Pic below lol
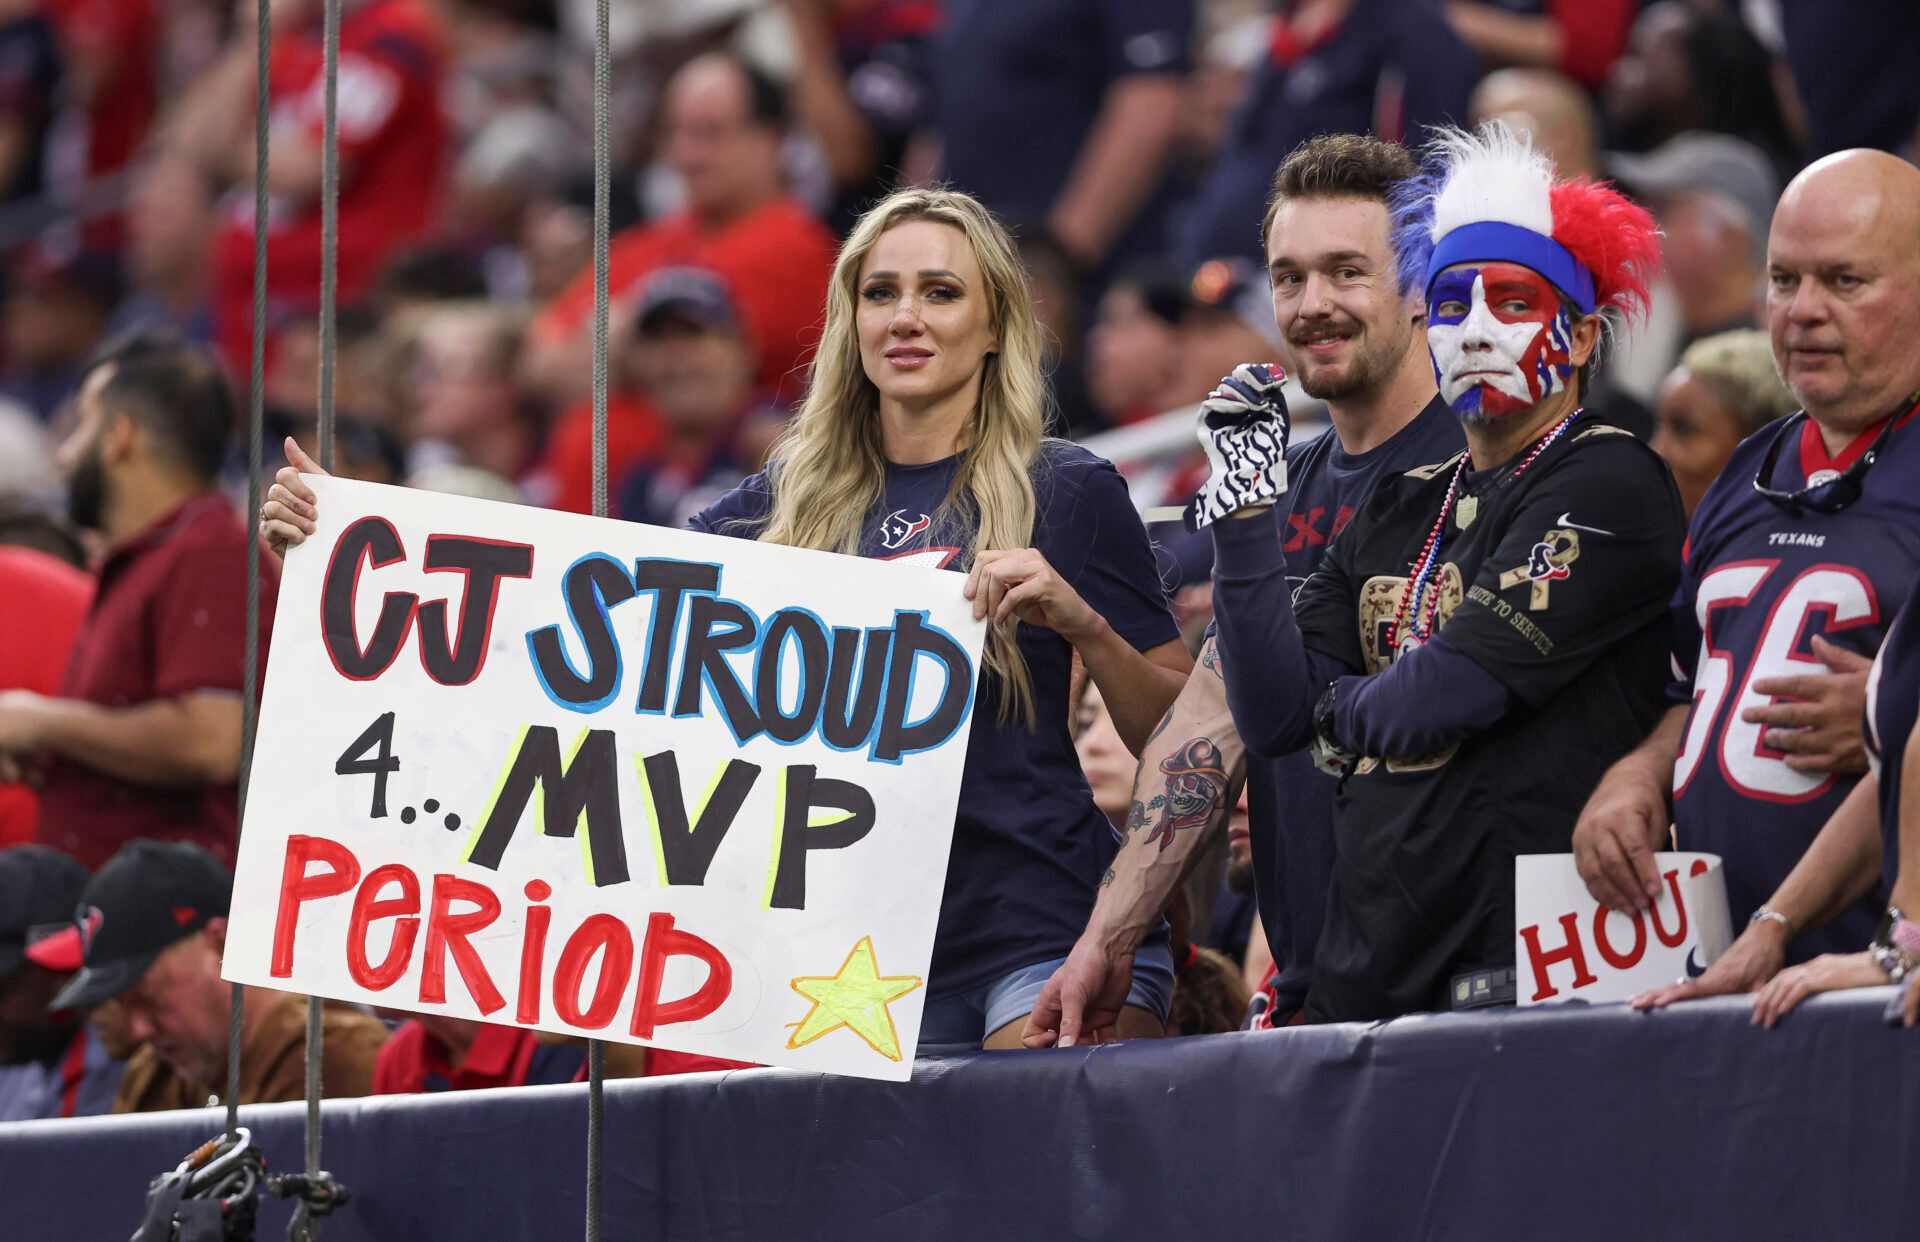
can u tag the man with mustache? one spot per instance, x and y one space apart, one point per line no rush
1489 633
143 739
1352 331
1800 556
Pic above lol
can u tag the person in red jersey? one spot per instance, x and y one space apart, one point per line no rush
724 123
394 149
143 739
112 72
435 1052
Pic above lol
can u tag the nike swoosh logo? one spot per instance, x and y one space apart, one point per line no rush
1566 519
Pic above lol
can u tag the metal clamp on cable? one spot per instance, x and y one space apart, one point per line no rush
211 1196
321 1193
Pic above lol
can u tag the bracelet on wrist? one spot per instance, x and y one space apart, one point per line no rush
1902 932
1767 914
1896 962
1896 946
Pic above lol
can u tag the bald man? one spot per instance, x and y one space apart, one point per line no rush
1550 108
1799 557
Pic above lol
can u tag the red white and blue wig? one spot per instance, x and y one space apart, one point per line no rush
1488 197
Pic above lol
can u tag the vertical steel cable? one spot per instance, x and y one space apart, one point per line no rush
602 174
329 226
256 417
305 1225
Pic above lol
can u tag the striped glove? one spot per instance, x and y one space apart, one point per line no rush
1243 430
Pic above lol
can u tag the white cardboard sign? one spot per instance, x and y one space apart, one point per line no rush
605 779
1567 946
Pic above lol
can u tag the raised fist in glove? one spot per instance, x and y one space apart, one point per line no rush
1243 429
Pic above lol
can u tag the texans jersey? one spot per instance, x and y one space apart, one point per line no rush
1760 582
1893 703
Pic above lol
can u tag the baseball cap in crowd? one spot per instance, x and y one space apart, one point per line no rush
1165 289
689 293
38 886
1697 161
1239 288
146 897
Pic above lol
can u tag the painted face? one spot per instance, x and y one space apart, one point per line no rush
1500 338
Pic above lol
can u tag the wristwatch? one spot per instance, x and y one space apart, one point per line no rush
1328 754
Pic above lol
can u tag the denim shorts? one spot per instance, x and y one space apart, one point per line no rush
961 1022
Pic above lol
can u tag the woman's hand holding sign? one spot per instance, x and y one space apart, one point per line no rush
288 515
1010 583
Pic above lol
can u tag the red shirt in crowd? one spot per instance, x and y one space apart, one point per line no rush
168 619
414 1060
633 430
117 43
393 163
774 259
45 601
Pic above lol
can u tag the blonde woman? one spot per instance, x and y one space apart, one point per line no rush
921 440
1724 388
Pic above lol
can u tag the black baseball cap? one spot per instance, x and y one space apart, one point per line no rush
38 886
692 294
146 897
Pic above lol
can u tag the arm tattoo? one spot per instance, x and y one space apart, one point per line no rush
1160 728
1196 785
1106 881
1210 657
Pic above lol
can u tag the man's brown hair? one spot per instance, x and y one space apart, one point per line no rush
1338 166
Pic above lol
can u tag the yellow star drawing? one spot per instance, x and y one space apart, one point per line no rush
855 997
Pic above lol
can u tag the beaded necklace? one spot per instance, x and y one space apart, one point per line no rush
1422 594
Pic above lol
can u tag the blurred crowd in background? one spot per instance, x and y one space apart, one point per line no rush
1128 143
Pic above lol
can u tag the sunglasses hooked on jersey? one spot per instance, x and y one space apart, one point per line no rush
1825 491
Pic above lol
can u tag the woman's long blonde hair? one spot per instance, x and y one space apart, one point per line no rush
829 469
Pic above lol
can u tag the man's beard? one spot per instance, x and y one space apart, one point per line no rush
87 490
1374 361
1240 875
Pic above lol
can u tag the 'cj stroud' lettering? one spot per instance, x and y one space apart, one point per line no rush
855 687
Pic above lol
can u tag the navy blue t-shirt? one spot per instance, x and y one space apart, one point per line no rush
668 493
1029 846
1334 88
1289 801
1017 86
1759 583
1893 703
1855 93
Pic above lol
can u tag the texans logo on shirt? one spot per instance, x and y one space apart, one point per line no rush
897 528
1541 566
1550 561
